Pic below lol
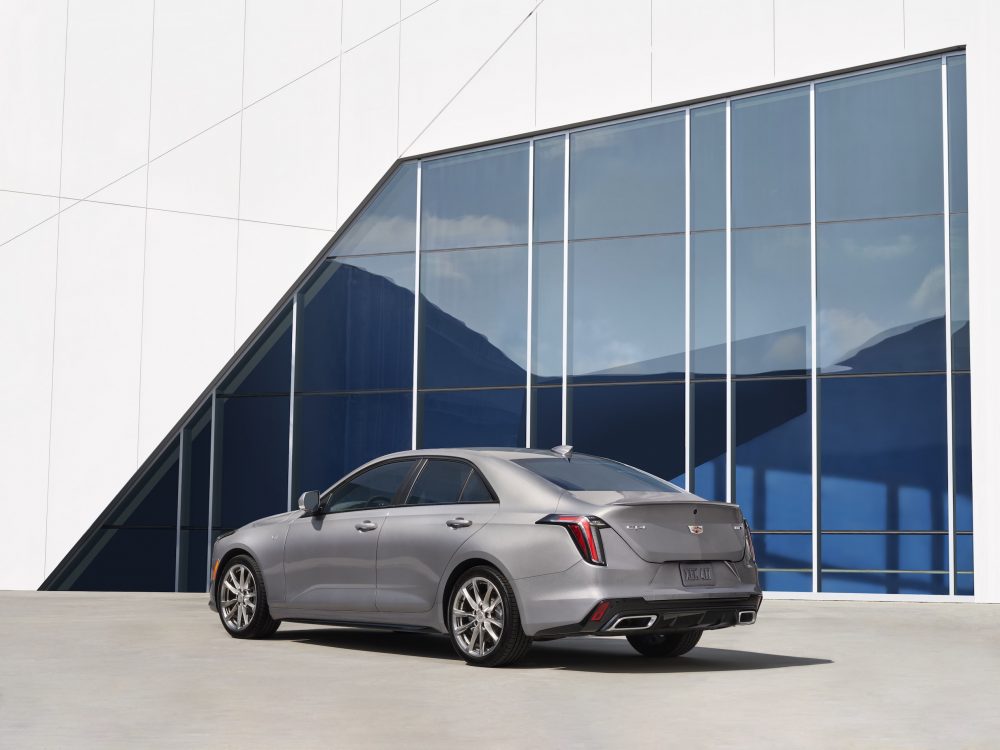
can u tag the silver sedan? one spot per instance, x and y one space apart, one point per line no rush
497 548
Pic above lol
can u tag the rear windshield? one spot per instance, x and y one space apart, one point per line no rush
586 473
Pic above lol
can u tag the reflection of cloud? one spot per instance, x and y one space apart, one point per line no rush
842 331
785 352
928 299
903 245
471 230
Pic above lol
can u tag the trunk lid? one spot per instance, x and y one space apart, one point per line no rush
672 527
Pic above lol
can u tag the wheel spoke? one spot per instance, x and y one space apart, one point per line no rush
230 586
468 597
462 628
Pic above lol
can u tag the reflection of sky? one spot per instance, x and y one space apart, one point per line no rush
486 290
389 223
876 278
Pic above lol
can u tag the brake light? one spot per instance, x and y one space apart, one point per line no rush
749 537
585 531
599 611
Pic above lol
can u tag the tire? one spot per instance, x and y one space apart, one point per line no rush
479 602
242 584
665 645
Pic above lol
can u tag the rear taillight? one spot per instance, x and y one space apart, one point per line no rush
585 531
749 555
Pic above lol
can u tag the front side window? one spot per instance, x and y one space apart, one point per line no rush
444 482
589 474
374 488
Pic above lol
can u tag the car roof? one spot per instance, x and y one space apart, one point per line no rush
506 454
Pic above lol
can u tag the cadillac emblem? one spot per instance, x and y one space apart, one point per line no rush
696 529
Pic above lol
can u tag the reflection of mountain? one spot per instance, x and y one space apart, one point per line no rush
908 348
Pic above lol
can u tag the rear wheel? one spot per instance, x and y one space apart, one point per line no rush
242 600
484 621
665 644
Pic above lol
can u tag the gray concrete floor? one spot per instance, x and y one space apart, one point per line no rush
157 670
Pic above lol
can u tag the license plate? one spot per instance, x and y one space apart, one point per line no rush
693 574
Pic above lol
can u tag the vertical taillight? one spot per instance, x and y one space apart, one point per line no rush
750 555
585 531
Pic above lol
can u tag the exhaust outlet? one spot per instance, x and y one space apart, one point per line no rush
747 617
632 622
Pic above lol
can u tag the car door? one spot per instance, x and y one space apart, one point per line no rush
448 502
330 556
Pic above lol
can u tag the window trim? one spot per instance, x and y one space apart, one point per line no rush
324 510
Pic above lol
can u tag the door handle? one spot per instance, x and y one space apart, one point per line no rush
366 526
458 523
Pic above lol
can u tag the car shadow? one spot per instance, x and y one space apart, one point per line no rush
608 655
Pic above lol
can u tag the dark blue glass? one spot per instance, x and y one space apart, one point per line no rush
965 584
126 560
878 144
455 419
336 434
881 296
355 326
770 157
473 317
883 453
957 139
547 313
771 301
193 555
961 425
708 305
708 439
626 318
252 455
960 292
884 583
267 366
550 183
780 580
475 200
546 417
784 552
640 425
193 565
708 167
964 559
389 223
627 179
923 552
153 501
773 453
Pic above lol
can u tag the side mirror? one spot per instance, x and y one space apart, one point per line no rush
309 501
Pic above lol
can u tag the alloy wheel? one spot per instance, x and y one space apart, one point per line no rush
238 599
477 616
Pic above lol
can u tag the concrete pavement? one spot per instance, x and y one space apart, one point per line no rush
157 670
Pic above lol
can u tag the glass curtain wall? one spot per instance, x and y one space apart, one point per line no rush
764 299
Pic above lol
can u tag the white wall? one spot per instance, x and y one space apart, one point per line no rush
218 145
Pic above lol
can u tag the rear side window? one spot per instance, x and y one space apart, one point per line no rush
586 473
374 488
444 482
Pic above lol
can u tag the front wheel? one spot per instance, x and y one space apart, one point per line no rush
665 645
484 621
242 600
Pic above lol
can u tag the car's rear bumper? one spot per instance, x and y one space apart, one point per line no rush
640 615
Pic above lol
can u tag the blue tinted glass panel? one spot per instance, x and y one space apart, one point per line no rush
640 425
120 560
473 317
884 583
708 304
960 291
336 434
964 559
708 167
627 309
547 313
957 139
878 144
456 419
881 296
193 562
355 325
883 453
627 179
154 501
770 153
771 580
550 183
193 566
475 200
784 552
546 417
771 302
962 445
708 439
267 366
253 459
389 223
964 584
773 454
925 552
